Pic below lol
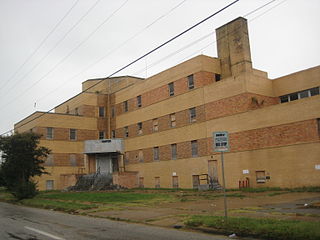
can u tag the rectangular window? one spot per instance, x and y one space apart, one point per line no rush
155 127
139 125
156 153
101 135
192 114
194 148
49 133
261 176
304 94
173 151
101 112
113 134
139 102
314 91
293 96
172 120
49 161
171 89
113 111
141 182
140 155
157 182
73 134
49 185
284 99
76 111
126 132
125 106
217 77
190 82
73 160
175 182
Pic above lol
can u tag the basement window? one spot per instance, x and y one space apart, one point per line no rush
217 77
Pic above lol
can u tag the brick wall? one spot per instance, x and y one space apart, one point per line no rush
126 179
63 159
64 134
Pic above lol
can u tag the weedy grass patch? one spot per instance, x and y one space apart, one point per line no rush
262 228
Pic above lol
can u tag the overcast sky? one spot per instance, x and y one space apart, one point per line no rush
48 47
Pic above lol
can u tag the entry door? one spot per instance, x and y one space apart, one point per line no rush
213 170
195 181
104 164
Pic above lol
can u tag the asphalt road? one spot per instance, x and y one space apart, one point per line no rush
25 223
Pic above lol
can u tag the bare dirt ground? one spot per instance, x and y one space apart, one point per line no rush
280 205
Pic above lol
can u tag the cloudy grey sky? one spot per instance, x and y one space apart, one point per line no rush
48 47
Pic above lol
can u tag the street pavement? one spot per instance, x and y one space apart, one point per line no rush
24 223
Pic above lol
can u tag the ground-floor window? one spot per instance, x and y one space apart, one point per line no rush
175 182
261 176
157 182
141 182
49 184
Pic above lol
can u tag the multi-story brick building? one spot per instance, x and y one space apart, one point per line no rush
161 127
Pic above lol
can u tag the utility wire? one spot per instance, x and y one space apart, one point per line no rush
55 46
68 55
143 56
40 45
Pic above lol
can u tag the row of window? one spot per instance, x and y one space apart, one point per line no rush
299 95
175 182
72 133
174 152
50 160
155 123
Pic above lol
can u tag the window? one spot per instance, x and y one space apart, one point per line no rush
125 106
113 112
101 112
126 132
73 134
194 148
156 153
73 160
139 102
141 182
174 151
49 133
172 120
190 82
192 114
113 134
175 182
217 77
49 185
157 182
155 125
299 95
139 125
101 135
126 158
76 111
49 161
171 89
261 176
140 155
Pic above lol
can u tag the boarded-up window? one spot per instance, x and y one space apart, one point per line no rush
49 161
155 125
49 185
175 182
140 156
73 160
172 120
141 182
194 148
195 181
156 153
174 151
49 133
157 182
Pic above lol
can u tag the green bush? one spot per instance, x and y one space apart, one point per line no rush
24 190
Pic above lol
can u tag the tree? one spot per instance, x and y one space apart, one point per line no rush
22 160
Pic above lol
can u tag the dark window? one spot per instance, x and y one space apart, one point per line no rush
171 89
73 134
304 94
156 153
293 96
113 134
112 112
49 133
314 91
284 99
217 77
139 102
76 111
101 112
192 114
190 82
174 151
194 148
125 106
101 135
139 128
126 132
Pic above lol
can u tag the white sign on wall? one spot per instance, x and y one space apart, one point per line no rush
317 166
245 171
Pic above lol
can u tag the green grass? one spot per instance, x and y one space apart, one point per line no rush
106 197
262 228
57 205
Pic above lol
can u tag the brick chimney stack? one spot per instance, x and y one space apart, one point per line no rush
234 48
